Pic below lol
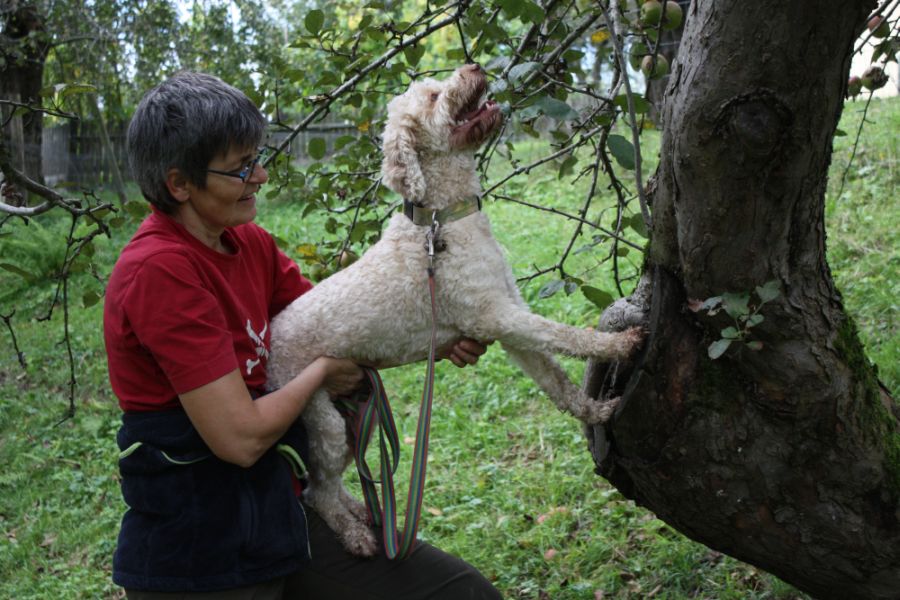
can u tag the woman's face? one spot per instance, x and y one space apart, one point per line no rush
226 200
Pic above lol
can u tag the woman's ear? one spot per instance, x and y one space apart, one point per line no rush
177 184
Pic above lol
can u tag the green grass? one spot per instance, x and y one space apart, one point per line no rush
511 486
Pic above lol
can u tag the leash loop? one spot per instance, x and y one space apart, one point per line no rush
376 412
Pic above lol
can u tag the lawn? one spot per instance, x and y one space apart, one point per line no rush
511 486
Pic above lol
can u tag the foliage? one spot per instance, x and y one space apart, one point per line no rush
744 315
560 71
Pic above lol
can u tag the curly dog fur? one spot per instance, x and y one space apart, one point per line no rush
378 310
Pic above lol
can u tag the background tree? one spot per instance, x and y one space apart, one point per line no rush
23 50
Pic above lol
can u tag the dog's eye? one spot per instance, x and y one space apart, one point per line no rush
434 96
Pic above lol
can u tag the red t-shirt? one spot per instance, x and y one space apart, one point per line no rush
179 315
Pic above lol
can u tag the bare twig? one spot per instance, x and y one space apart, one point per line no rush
38 109
526 40
324 101
526 169
859 129
612 20
579 219
563 46
12 334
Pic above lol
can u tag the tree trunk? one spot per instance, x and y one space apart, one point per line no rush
23 48
787 457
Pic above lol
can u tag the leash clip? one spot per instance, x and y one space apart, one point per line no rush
431 240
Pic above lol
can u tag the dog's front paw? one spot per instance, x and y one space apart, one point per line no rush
629 341
599 412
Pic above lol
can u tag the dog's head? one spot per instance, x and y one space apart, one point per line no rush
435 117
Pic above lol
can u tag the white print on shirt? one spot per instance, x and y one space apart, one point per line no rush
258 339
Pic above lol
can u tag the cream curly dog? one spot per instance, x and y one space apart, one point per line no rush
379 311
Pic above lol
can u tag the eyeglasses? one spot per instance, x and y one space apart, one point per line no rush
247 170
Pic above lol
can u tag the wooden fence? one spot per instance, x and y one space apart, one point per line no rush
74 153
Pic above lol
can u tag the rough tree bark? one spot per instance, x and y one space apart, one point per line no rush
788 457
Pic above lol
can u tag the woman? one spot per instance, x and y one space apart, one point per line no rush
213 511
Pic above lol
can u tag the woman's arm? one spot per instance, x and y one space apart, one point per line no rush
238 429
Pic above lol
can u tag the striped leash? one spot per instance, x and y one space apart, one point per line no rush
376 411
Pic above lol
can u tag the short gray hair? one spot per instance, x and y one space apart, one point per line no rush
184 123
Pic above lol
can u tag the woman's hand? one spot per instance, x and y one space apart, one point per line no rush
340 376
464 351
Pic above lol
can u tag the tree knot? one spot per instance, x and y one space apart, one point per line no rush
757 123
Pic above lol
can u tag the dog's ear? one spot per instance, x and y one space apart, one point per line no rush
400 168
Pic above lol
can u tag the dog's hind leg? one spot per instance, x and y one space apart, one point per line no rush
329 456
551 378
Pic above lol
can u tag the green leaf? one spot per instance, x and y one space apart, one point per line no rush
414 54
768 291
314 21
137 209
456 54
529 11
641 106
839 133
636 222
76 88
343 140
755 320
566 167
735 304
520 71
511 8
551 288
556 109
730 333
90 298
18 271
498 86
316 148
355 100
622 151
597 296
572 285
718 348
51 90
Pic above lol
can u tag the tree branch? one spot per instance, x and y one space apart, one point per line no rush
614 24
325 100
